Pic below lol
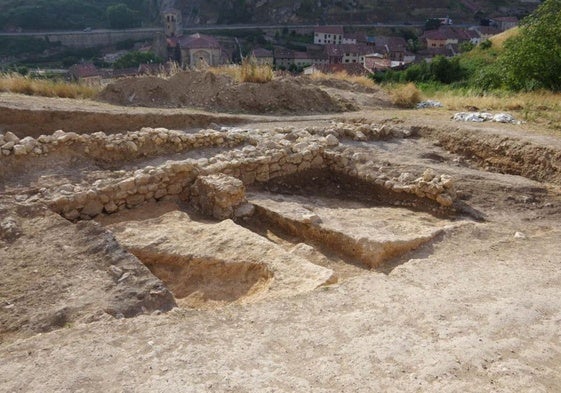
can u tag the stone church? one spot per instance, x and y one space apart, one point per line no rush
195 50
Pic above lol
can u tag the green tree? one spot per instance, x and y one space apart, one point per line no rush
134 59
121 17
432 24
532 59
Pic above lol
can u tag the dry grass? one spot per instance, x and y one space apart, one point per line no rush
499 39
344 76
405 96
14 83
542 107
249 71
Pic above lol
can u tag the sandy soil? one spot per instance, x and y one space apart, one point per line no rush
475 309
209 91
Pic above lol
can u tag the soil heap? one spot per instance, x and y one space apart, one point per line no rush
206 90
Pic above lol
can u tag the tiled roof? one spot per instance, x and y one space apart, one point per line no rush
199 41
261 52
84 70
449 33
488 30
392 43
340 50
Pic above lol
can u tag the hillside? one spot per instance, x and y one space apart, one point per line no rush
74 14
344 11
79 14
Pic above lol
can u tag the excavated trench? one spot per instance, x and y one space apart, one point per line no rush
203 283
363 224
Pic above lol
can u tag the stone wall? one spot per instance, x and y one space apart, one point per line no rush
253 156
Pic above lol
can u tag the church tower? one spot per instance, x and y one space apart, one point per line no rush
173 22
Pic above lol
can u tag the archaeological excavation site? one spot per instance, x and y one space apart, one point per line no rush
326 241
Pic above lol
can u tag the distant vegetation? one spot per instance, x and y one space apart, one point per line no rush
14 46
134 59
524 59
249 71
15 83
75 14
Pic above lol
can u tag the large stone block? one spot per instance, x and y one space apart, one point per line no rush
218 195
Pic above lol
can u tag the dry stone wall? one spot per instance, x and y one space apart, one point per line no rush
252 156
115 147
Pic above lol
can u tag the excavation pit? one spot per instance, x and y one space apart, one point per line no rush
208 264
206 283
328 183
363 223
357 232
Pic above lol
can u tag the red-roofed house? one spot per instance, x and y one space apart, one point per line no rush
263 56
328 35
375 63
447 35
348 53
197 50
393 48
85 72
285 58
486 32
506 22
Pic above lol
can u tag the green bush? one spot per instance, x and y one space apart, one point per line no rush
134 59
532 59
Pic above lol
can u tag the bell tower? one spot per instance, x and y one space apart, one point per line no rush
173 22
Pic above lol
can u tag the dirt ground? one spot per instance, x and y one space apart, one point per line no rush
474 307
206 90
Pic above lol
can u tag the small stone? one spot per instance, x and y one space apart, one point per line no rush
445 200
135 200
11 137
72 215
8 146
20 150
311 218
244 210
110 207
331 141
92 208
519 235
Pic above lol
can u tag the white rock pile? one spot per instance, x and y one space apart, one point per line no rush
428 104
479 117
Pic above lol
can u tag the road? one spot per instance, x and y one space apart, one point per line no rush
200 28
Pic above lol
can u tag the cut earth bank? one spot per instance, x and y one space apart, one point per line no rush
371 251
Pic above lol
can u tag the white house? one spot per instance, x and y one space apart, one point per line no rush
328 35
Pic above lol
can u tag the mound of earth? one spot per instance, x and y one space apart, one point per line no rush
205 90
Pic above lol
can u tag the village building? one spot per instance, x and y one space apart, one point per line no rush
173 22
486 32
196 50
354 38
505 22
86 73
376 62
263 56
448 35
348 53
324 35
393 48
